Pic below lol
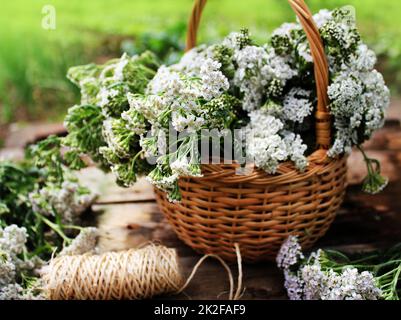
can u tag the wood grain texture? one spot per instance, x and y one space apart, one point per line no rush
364 222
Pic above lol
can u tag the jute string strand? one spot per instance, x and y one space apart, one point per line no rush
133 274
232 296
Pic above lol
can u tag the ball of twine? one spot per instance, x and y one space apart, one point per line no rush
132 274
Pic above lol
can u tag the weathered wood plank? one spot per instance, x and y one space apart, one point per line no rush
125 226
20 136
109 192
261 281
128 218
394 111
12 154
390 165
386 138
364 223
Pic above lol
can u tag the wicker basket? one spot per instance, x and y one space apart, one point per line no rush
259 211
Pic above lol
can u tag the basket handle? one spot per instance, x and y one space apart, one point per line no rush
321 70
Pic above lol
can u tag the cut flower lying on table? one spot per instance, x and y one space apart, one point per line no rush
132 108
331 275
41 209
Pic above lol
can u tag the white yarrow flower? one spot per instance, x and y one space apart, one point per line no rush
296 105
290 253
214 83
85 242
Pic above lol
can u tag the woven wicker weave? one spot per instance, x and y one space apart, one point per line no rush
259 211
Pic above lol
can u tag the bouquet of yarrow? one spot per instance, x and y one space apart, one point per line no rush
332 275
132 107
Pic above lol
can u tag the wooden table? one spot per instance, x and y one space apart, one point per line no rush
129 217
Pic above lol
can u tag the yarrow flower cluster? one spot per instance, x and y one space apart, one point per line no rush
13 264
69 200
260 74
349 284
329 275
107 85
85 242
132 107
96 127
357 91
290 253
15 291
297 105
16 268
268 144
41 205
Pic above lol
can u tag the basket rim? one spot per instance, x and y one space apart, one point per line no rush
286 172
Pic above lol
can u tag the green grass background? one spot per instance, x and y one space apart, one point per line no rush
33 61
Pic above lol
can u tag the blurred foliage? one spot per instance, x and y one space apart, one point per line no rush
34 61
167 45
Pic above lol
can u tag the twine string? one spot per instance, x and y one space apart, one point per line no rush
231 295
132 274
